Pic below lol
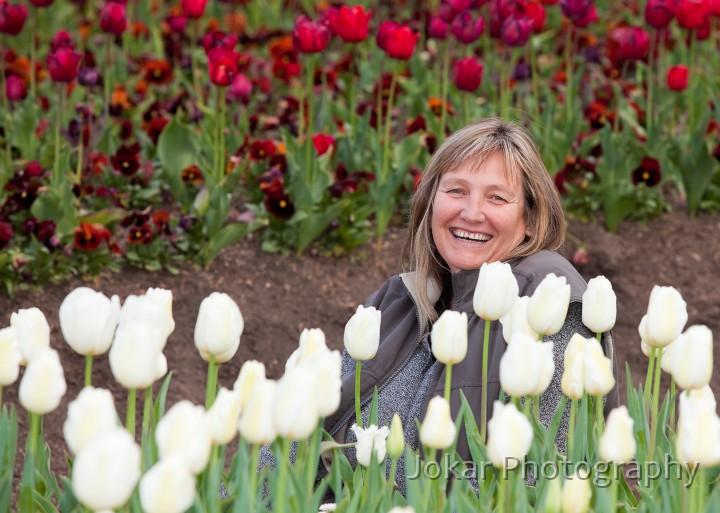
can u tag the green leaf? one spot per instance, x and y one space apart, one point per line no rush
176 149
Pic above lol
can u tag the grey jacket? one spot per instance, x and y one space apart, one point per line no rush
402 328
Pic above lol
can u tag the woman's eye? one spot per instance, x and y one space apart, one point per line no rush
497 198
454 191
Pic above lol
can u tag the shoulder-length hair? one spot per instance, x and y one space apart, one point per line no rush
475 144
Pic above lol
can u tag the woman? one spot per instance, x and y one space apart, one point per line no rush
485 196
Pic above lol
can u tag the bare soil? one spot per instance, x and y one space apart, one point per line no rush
281 295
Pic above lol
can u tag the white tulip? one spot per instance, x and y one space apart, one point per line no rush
646 348
295 410
519 370
91 413
218 328
153 310
328 506
88 320
691 357
573 378
549 305
251 373
597 371
370 439
167 487
698 433
599 305
10 357
224 416
553 497
496 291
362 333
617 443
257 423
32 332
516 320
185 431
133 361
666 316
400 509
105 472
546 362
43 383
328 381
510 435
449 337
437 430
312 345
576 494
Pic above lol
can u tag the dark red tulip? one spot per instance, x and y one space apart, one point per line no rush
15 88
648 172
659 13
714 7
241 88
590 16
62 39
12 18
401 42
437 28
113 18
350 23
467 74
222 66
6 233
41 3
323 143
515 31
216 38
677 78
310 36
383 33
580 12
466 29
627 44
536 13
193 8
692 14
63 64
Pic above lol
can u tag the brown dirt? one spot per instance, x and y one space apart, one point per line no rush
281 295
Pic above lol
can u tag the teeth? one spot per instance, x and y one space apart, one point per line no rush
472 236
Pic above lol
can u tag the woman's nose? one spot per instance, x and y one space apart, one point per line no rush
473 211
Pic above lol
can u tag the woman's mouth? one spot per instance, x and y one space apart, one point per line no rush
469 236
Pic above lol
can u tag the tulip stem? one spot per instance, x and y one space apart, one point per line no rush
358 415
613 485
393 471
211 382
571 429
387 128
213 482
309 83
502 491
106 82
33 56
5 110
282 478
673 393
701 489
448 380
650 84
536 406
599 417
88 369
254 458
656 399
58 121
429 456
1 398
130 418
483 407
648 381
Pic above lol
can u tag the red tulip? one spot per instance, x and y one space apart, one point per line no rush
222 65
310 36
536 13
383 33
677 78
113 18
714 7
587 19
401 42
515 31
62 39
437 28
350 23
41 3
15 88
193 8
12 18
241 88
659 13
63 64
627 44
465 29
691 14
323 143
467 74
580 12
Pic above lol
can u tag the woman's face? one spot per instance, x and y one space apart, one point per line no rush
478 215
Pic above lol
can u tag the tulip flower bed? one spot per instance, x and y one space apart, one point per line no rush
148 133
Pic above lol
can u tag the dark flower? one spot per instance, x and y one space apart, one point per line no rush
87 237
193 8
155 128
577 172
280 206
262 149
157 71
222 65
659 13
466 29
127 159
140 234
15 88
89 77
63 64
467 74
12 18
6 233
192 174
648 172
113 18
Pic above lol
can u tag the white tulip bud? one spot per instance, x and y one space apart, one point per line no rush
257 423
224 415
370 439
152 310
576 494
549 305
251 373
617 443
495 292
295 410
691 357
133 361
106 471
698 434
10 357
519 370
400 509
598 371
362 333
449 337
327 507
167 487
553 497
91 413
666 316
437 430
185 431
396 438
312 345
573 378
599 309
43 383
218 327
328 381
516 320
32 332
510 435
88 320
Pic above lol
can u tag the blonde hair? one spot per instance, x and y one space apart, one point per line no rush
475 144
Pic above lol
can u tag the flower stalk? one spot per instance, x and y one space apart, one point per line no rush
88 369
211 388
483 407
